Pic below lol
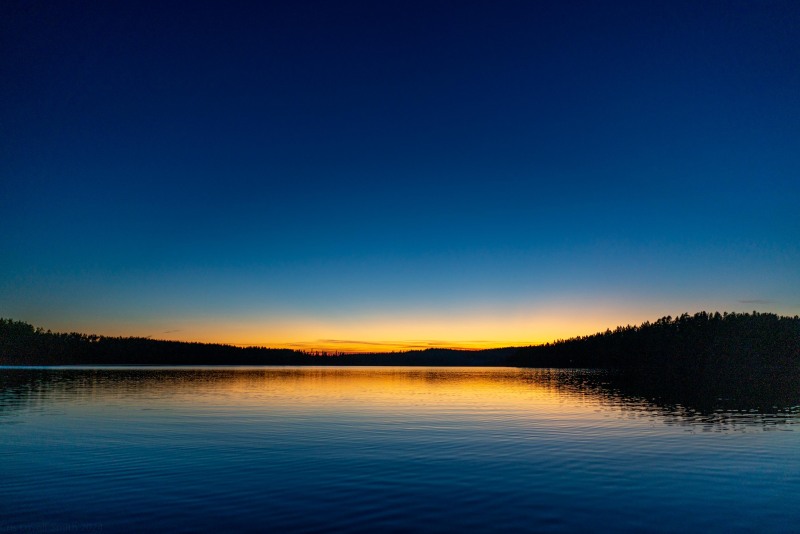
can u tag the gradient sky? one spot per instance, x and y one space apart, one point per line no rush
360 175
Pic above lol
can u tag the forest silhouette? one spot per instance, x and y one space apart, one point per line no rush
684 344
703 363
727 343
23 344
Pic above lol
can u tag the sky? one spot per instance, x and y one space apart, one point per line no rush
385 175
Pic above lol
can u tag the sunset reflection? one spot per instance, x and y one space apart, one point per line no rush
316 390
526 396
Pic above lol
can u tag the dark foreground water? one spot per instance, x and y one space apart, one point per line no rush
398 449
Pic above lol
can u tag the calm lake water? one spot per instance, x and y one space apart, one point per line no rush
399 449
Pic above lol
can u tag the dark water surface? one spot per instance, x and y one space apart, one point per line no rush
399 449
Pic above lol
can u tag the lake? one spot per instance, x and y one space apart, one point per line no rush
314 449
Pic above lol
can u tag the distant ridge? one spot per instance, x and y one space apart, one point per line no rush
687 344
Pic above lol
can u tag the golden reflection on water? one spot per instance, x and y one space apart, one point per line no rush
321 388
562 397
398 387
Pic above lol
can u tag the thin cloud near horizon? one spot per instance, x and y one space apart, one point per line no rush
354 345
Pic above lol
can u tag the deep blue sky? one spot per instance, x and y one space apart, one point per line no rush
460 173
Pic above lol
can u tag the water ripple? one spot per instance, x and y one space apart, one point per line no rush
356 450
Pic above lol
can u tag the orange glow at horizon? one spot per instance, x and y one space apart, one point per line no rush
468 330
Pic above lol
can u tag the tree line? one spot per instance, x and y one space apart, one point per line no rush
24 344
686 344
